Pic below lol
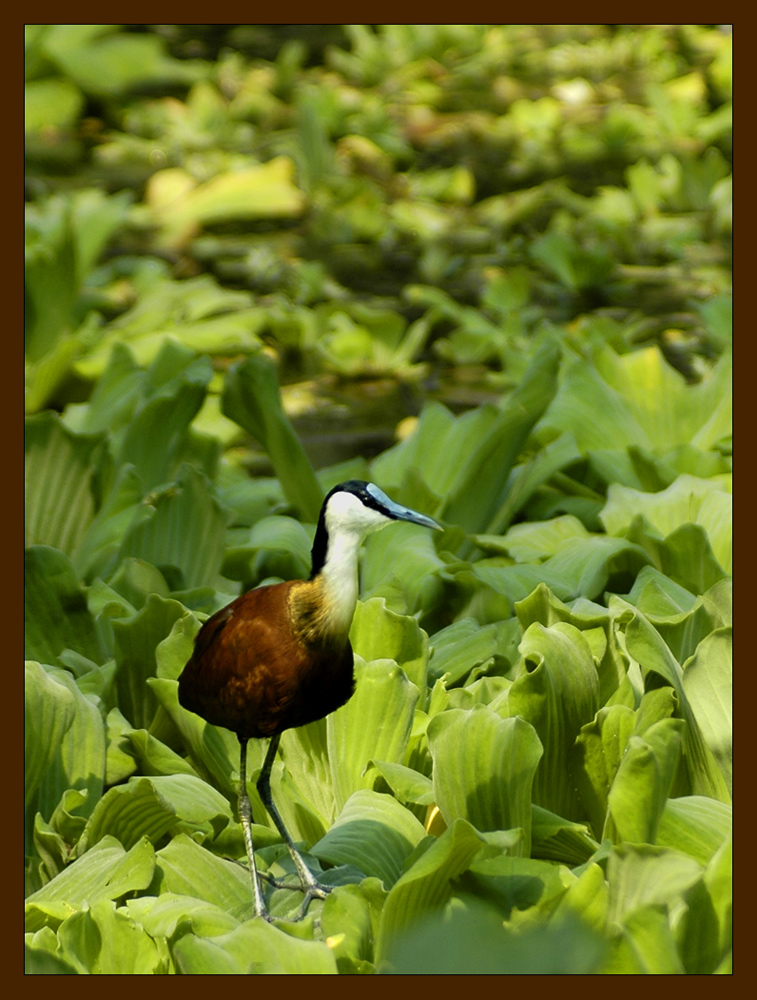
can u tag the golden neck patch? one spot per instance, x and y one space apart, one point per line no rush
317 614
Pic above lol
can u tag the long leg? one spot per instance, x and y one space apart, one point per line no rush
245 815
312 888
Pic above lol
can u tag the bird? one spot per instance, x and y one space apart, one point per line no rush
279 656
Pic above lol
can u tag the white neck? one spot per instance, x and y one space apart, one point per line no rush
348 521
340 578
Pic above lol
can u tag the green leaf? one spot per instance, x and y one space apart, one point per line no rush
707 681
113 65
349 923
259 192
121 510
557 691
212 751
106 871
406 784
49 708
646 945
306 756
425 885
255 947
461 647
695 825
375 723
41 962
56 616
688 500
76 751
640 875
587 898
596 756
574 267
642 783
517 886
585 567
151 807
557 839
374 833
58 479
400 564
251 398
685 555
51 103
155 438
378 633
469 939
484 768
538 470
135 640
480 485
186 530
638 399
276 546
718 879
535 541
162 916
107 941
646 646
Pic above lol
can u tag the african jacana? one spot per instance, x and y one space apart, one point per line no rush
280 656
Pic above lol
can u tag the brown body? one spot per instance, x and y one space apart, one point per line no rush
269 661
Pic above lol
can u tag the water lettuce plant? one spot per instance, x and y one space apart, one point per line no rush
545 706
534 774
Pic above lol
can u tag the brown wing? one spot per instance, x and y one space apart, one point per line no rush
249 674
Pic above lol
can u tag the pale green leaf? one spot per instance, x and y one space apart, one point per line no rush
688 500
186 530
645 945
255 947
642 783
49 709
260 192
375 723
135 640
695 825
647 647
161 916
707 681
557 692
406 784
59 469
484 769
78 757
378 633
640 875
596 756
107 941
106 871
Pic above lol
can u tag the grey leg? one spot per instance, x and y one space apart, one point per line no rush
312 888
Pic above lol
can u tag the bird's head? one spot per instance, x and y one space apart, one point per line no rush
357 508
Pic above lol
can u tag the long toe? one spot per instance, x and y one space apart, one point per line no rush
317 891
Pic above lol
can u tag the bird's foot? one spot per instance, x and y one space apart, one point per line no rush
318 890
315 891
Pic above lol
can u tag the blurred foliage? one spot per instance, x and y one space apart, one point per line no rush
503 249
472 183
